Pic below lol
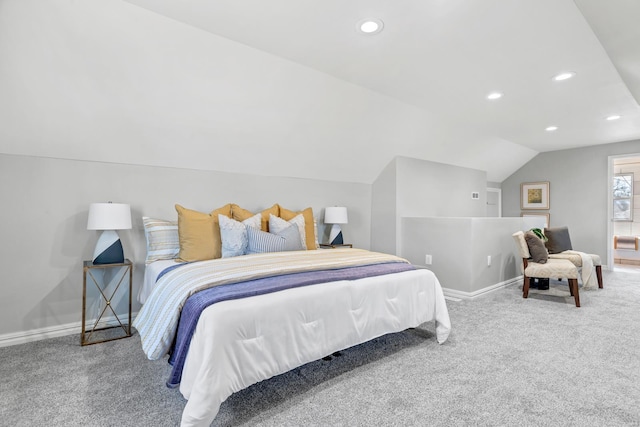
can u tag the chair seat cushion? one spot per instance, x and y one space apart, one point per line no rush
576 259
553 268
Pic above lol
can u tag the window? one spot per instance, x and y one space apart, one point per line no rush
623 197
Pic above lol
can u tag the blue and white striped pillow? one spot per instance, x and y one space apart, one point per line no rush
287 239
162 239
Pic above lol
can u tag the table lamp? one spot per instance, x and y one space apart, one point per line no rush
109 217
336 215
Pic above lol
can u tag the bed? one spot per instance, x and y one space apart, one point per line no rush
232 321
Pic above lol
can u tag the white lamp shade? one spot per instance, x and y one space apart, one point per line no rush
336 215
109 216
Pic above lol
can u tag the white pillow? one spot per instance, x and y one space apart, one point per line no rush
233 234
277 225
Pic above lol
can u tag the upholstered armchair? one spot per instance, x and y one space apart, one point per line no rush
559 246
539 265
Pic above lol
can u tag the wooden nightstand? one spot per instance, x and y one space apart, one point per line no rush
111 290
330 246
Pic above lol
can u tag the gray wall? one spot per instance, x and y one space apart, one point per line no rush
427 188
459 248
579 191
46 201
44 221
383 210
421 188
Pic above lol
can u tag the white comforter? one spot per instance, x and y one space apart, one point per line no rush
238 343
158 319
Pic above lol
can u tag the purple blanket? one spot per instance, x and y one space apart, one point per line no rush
196 303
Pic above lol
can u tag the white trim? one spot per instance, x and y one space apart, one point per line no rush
454 294
24 337
610 170
610 173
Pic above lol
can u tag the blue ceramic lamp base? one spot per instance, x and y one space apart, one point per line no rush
108 249
335 236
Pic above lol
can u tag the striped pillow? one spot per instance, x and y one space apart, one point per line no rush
162 239
261 241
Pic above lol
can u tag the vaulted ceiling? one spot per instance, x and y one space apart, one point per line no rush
417 88
446 56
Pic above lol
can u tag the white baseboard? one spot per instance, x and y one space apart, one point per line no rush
454 294
76 327
24 337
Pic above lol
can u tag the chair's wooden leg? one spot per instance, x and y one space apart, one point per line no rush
570 288
525 287
573 285
599 275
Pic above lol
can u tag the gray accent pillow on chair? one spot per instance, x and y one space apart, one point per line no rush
536 248
558 239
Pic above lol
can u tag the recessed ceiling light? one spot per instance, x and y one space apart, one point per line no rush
551 128
494 95
613 117
564 76
370 26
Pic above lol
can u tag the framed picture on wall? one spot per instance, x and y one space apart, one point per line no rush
543 215
534 195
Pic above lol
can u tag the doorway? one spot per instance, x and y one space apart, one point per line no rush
623 251
494 202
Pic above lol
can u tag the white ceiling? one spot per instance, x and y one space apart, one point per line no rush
445 56
295 86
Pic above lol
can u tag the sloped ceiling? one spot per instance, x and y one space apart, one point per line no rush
615 23
446 56
289 87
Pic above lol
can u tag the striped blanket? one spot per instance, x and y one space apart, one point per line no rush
158 319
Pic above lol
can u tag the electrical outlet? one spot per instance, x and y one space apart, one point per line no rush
488 260
427 259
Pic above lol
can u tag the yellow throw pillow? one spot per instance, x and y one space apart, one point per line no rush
240 214
310 235
199 233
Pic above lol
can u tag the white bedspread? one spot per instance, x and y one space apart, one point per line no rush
157 321
238 343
